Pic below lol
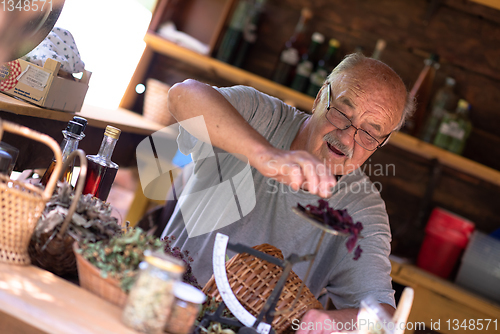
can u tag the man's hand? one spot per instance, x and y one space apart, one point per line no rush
298 169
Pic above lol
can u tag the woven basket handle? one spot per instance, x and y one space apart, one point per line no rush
79 186
43 138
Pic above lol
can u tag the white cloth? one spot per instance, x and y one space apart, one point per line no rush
58 45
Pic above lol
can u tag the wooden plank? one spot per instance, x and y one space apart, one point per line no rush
437 301
229 72
445 315
12 325
413 276
449 159
125 120
490 3
38 298
475 8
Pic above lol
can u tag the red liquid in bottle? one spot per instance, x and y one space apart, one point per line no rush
99 180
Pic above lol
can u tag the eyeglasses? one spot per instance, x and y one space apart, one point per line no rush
339 120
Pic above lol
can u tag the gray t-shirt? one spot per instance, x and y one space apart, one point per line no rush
271 219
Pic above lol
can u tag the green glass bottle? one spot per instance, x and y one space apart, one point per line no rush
455 128
234 32
306 65
444 100
249 33
324 68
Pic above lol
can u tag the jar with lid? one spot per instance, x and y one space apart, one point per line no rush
150 299
185 310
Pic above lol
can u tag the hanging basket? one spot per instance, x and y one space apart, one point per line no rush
21 204
252 281
53 250
155 102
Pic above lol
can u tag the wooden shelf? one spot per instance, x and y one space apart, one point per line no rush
228 72
440 300
304 102
457 162
490 3
125 120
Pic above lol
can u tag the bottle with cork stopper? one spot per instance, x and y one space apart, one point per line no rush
101 171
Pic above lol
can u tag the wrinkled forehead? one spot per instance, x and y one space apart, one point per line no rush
379 86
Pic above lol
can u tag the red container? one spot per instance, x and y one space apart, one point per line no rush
447 234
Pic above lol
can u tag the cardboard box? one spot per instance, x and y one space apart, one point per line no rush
42 86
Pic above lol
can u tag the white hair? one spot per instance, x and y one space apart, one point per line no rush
354 59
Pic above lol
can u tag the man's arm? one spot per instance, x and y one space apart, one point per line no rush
311 320
228 130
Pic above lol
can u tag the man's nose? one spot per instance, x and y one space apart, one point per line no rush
347 136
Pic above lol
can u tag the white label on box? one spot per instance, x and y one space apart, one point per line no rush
34 77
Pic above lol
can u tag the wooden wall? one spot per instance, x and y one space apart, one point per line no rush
466 36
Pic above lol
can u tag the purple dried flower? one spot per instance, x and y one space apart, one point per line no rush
339 220
357 253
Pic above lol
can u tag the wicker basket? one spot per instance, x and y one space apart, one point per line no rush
155 102
21 204
91 280
252 281
55 254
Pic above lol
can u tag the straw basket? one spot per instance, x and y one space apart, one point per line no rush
252 281
155 102
91 280
22 204
54 252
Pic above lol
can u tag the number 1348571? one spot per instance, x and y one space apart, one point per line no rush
25 5
472 324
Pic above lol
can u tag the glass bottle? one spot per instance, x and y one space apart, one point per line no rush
454 129
294 47
5 162
324 68
421 91
72 136
13 152
185 309
151 298
306 65
101 171
379 48
444 100
234 31
249 33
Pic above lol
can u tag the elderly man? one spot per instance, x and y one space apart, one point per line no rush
361 103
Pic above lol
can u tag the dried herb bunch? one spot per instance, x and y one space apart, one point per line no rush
91 221
120 256
188 276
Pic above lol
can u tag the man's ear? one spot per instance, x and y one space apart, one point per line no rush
318 97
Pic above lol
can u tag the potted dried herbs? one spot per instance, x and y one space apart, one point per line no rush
90 221
118 258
